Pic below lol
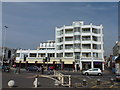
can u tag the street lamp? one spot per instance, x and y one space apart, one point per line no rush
3 45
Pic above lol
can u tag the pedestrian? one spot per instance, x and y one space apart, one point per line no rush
42 69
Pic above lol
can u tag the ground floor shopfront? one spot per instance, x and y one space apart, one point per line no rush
63 66
84 65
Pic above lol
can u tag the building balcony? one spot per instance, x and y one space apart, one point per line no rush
86 42
68 42
68 50
86 34
77 41
86 58
77 50
76 33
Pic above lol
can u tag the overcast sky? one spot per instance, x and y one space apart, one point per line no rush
32 23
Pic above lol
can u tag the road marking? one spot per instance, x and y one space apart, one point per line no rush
88 77
30 76
94 87
111 86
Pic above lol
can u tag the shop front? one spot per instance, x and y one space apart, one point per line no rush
98 65
86 65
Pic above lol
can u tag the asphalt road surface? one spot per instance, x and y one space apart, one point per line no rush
25 80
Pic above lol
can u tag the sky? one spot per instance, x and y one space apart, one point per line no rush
30 23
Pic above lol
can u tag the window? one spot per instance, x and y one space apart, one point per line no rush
60 47
60 39
96 31
51 54
68 31
18 55
77 29
96 46
59 54
68 46
76 46
86 38
86 54
97 55
68 38
77 55
33 54
86 30
60 32
77 37
95 69
86 46
68 54
94 38
41 54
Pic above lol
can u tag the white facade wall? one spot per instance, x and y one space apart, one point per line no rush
73 37
79 42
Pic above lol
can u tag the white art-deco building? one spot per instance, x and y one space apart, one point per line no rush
78 45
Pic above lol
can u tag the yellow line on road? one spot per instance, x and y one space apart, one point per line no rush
94 87
111 86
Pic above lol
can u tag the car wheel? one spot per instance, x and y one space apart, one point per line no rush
99 74
86 73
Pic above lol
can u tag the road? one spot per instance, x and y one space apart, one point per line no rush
25 80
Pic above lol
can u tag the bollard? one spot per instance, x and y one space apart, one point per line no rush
57 83
36 83
11 83
98 82
112 81
84 82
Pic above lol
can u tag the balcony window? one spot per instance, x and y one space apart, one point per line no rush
86 38
41 54
77 29
77 55
96 46
96 31
60 39
68 46
18 55
68 31
95 38
68 38
76 46
68 54
77 37
60 47
42 48
60 32
51 55
85 30
86 54
97 55
33 54
86 46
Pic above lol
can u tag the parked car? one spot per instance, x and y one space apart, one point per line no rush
33 68
93 71
118 77
5 68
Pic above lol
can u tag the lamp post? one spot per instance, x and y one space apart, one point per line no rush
60 63
3 45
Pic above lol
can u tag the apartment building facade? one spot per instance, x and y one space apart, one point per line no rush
78 45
